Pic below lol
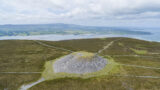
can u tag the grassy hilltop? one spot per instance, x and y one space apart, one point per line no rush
137 58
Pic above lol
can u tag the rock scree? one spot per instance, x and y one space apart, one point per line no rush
79 63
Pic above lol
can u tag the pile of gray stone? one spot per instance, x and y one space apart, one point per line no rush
75 63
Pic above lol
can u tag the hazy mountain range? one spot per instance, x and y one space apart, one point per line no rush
60 28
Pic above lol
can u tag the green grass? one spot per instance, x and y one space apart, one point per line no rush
102 38
139 51
84 55
141 61
23 56
111 68
121 44
29 56
14 81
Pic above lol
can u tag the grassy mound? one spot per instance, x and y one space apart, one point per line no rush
111 68
84 55
29 56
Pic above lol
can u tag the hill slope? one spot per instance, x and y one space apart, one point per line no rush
22 61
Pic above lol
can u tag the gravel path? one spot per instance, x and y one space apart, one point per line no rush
27 86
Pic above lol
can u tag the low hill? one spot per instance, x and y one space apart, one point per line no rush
23 61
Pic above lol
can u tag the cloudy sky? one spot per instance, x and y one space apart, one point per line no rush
85 12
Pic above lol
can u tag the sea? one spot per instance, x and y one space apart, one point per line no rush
155 36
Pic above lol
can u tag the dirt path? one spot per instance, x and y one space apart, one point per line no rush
27 86
134 56
46 45
20 72
140 66
107 46
152 77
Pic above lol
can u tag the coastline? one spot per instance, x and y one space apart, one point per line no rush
54 37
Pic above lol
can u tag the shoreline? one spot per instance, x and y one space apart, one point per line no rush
54 37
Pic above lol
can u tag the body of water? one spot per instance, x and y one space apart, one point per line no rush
154 37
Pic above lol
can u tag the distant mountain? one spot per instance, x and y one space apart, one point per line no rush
59 28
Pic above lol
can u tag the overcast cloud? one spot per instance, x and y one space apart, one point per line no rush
87 12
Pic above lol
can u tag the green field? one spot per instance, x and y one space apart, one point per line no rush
134 56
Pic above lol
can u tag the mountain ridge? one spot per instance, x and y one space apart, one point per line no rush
60 28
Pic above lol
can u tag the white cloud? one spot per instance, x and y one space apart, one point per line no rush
78 11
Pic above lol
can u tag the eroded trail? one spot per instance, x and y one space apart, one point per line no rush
107 46
27 86
135 56
20 72
151 77
46 45
146 67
